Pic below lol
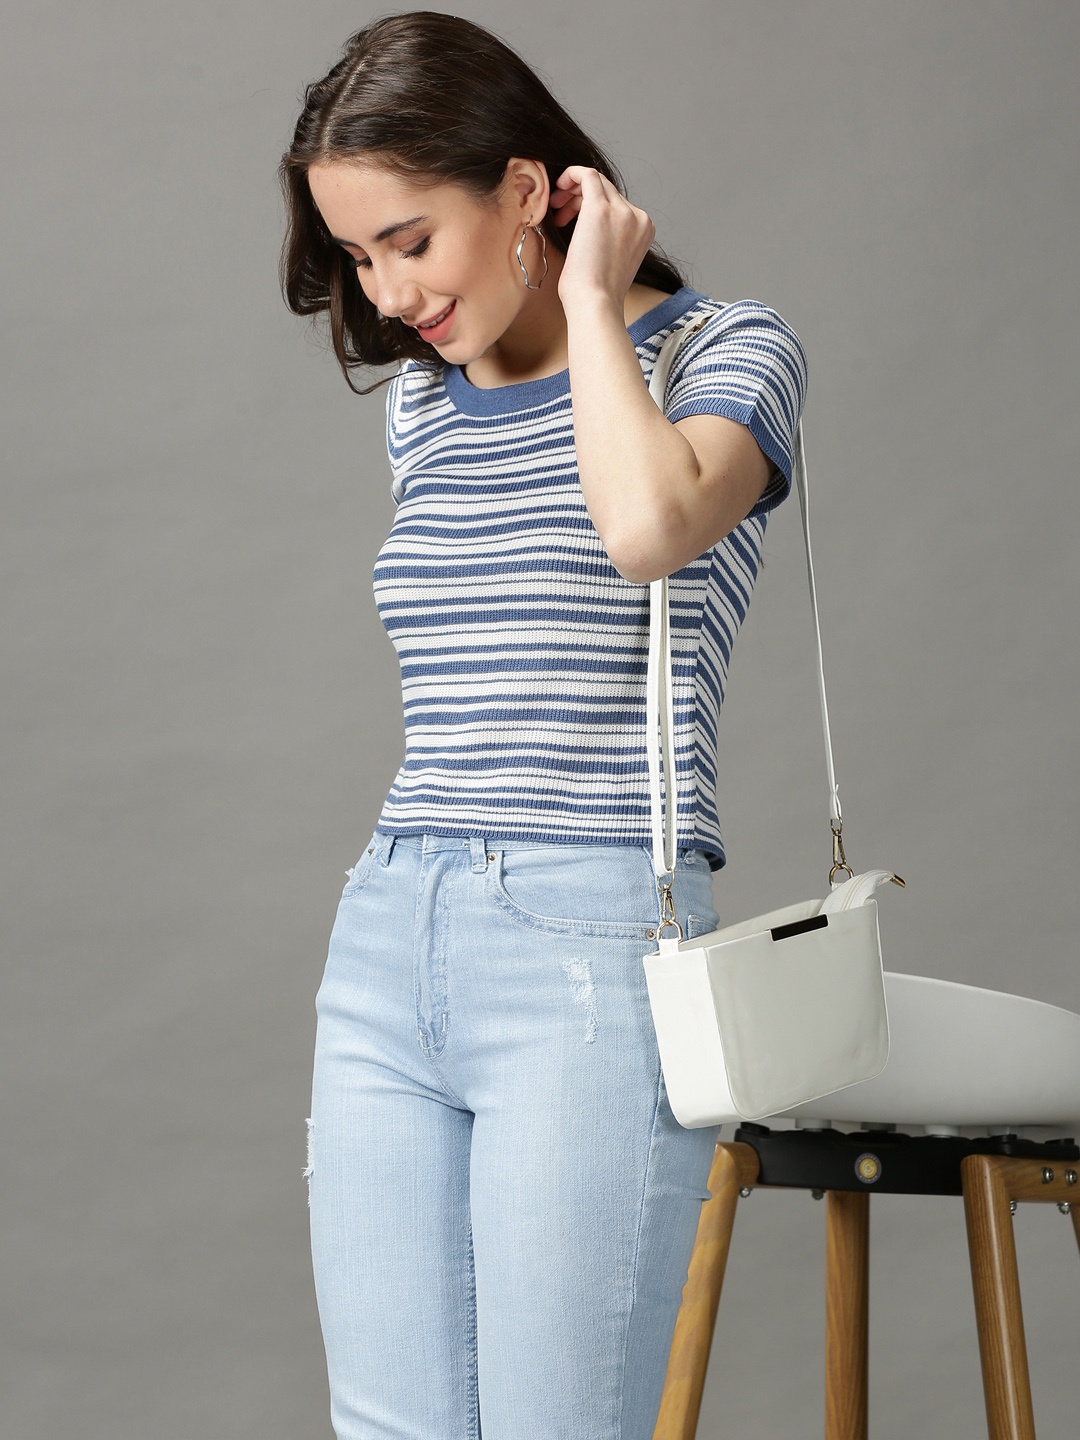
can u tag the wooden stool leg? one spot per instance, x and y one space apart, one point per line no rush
996 1283
1076 1218
733 1167
847 1296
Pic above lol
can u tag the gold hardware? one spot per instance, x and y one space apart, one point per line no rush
839 859
667 911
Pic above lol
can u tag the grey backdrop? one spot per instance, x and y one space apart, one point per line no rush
202 711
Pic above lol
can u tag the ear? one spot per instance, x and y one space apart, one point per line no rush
526 181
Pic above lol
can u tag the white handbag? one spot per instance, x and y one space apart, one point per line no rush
761 1016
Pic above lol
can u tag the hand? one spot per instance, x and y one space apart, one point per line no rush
610 239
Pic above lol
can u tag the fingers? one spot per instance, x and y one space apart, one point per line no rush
574 183
569 193
576 177
565 203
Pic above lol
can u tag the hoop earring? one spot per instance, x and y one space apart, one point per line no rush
521 262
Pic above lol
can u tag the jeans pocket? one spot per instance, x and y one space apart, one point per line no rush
607 891
698 925
360 872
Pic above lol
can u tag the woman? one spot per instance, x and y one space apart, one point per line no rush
502 1204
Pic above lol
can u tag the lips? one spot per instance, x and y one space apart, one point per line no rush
434 320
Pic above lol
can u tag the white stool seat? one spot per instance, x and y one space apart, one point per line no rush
963 1056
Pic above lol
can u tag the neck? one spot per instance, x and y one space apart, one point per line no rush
534 344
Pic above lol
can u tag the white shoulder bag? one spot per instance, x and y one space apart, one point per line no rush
758 1017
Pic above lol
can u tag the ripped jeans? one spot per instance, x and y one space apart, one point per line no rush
502 1205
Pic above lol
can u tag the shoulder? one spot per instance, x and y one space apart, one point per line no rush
743 362
409 395
414 378
741 323
745 348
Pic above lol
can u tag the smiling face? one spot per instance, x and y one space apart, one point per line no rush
450 252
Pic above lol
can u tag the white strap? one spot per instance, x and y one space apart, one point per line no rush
799 468
659 699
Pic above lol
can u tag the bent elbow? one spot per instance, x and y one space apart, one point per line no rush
637 557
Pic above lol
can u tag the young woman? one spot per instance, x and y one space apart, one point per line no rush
502 1204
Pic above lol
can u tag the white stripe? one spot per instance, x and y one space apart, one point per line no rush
496 591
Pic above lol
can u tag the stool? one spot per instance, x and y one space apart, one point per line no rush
959 1056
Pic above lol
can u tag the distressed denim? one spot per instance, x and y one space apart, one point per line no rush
502 1205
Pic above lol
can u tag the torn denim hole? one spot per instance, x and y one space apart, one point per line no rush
583 990
309 1167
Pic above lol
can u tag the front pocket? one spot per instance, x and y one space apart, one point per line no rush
360 872
605 891
698 925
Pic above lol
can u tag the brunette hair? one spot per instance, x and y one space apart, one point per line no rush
437 99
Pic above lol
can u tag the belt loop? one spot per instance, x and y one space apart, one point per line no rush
478 848
384 848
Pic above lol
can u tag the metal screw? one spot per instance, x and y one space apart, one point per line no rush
745 1192
1070 1177
1012 1207
1047 1174
818 1194
1065 1207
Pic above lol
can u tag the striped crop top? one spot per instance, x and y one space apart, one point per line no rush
523 651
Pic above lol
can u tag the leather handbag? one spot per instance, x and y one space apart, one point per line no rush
758 1017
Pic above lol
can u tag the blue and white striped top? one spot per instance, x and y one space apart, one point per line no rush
523 651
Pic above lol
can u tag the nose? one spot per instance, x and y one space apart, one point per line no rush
396 296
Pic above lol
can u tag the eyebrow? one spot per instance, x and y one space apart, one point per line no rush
385 233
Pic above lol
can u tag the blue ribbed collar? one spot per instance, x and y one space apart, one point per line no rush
500 399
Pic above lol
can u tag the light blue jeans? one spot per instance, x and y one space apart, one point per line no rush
502 1204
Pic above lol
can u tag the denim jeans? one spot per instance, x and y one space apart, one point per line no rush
502 1204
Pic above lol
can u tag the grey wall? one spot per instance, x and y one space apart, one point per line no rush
201 712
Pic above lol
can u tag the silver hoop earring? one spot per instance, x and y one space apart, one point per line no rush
521 262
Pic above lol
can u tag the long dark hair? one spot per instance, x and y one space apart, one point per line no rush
437 99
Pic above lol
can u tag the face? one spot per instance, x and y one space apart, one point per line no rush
451 252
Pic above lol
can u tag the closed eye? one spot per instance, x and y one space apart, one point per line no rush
365 264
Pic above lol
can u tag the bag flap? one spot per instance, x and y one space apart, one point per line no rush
802 1016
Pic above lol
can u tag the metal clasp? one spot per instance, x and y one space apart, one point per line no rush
667 910
839 859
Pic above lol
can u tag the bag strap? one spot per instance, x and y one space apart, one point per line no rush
659 688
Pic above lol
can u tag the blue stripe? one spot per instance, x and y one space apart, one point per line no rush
522 650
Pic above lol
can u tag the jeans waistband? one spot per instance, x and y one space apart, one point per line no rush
427 841
481 846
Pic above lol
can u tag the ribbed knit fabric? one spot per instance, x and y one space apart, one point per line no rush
523 651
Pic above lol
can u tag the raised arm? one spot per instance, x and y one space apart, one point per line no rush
659 493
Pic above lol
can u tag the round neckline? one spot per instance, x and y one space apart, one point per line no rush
499 399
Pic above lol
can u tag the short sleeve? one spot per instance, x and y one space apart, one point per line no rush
747 364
